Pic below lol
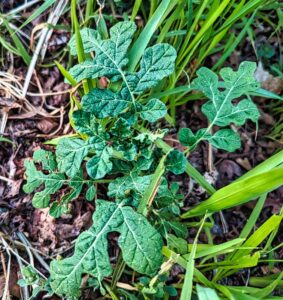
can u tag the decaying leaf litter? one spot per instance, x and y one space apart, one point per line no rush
221 168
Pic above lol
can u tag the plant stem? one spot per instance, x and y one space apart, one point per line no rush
150 193
79 42
190 170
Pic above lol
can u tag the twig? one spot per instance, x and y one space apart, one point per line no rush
23 7
24 289
6 179
15 252
48 93
29 248
6 293
59 127
52 19
211 168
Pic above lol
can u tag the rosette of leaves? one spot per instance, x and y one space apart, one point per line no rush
107 143
221 110
108 115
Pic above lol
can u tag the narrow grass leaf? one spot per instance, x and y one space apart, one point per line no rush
40 10
144 38
19 45
188 282
239 192
270 163
205 293
269 289
214 250
253 217
266 94
151 191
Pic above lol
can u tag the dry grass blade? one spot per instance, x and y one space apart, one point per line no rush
45 35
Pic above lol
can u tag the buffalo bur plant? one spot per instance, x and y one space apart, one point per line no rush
113 147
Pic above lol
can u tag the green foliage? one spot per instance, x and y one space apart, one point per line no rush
175 162
205 293
32 278
52 182
108 142
91 255
110 60
220 109
112 146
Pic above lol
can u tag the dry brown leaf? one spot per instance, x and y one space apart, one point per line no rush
43 229
73 230
268 81
46 125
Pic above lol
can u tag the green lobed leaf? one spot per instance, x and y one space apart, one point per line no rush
47 159
121 129
157 62
128 149
188 138
34 177
85 123
225 139
220 109
132 186
105 103
91 192
110 55
70 154
177 244
52 182
179 229
57 209
100 165
110 60
153 110
176 162
91 256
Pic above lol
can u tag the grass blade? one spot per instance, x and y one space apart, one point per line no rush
266 94
135 9
269 289
217 249
79 43
270 163
19 45
188 283
150 193
65 73
239 192
239 38
141 43
42 8
251 243
206 293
